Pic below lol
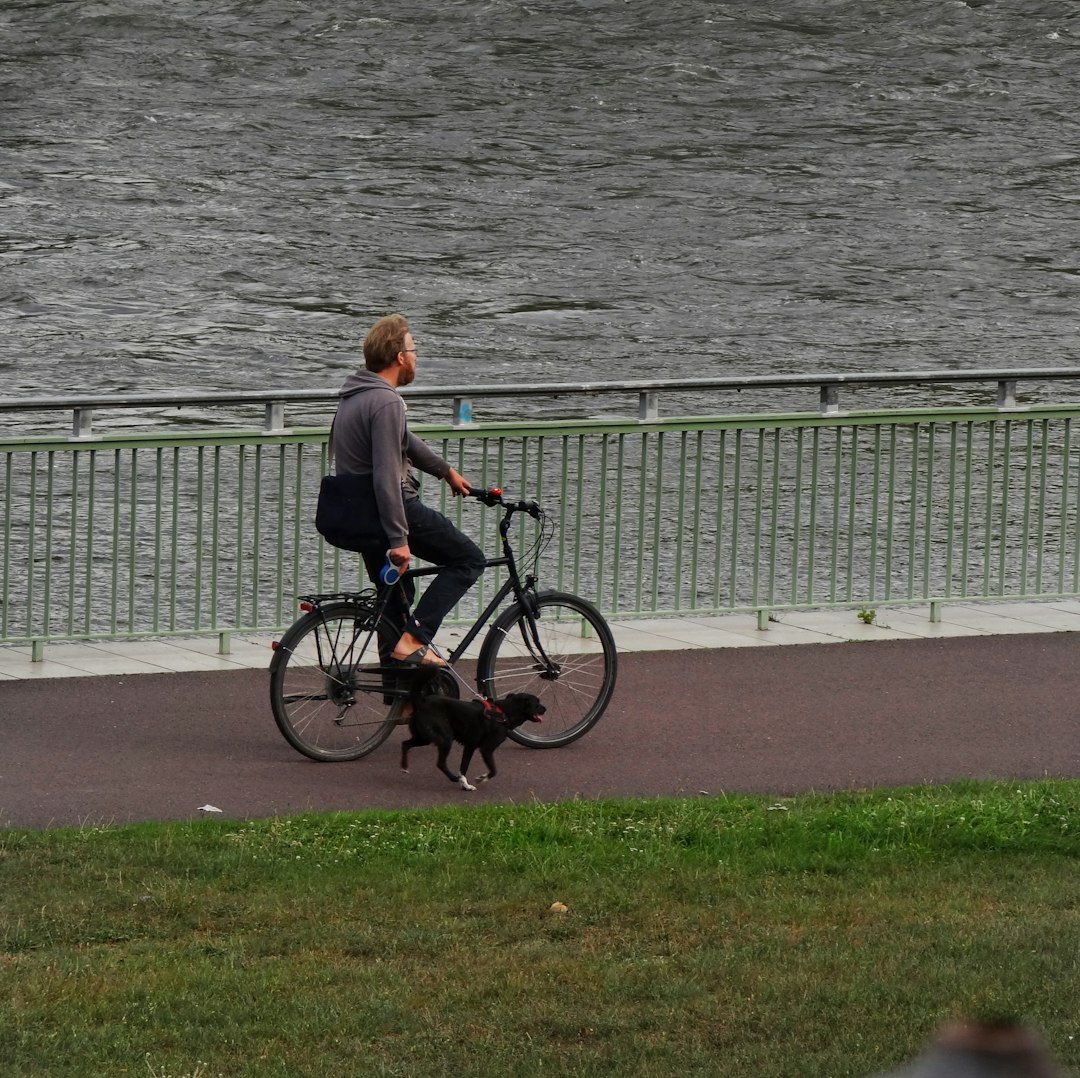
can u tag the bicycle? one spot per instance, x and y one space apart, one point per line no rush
330 690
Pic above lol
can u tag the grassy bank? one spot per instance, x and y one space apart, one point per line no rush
822 935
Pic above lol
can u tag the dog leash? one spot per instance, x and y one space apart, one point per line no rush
458 678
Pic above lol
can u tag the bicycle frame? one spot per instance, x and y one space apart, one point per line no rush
512 585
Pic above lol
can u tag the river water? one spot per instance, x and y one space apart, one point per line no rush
223 194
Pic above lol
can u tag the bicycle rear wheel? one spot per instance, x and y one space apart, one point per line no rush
327 686
565 655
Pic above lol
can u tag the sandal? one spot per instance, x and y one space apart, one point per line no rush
419 657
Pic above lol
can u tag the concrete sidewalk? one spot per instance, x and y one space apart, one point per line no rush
252 651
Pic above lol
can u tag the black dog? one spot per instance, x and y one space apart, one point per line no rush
476 724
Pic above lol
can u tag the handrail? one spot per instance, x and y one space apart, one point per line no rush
768 381
648 391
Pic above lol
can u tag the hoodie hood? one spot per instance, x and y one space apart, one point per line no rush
361 382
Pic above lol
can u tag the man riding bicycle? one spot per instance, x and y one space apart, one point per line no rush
370 437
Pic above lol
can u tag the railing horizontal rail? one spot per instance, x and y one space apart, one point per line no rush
809 379
648 392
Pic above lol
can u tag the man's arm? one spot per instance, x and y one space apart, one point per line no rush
386 428
427 460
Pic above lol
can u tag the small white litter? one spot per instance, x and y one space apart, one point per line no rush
208 808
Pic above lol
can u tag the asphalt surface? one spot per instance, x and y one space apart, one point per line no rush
782 720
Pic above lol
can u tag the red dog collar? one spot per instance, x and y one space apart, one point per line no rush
493 711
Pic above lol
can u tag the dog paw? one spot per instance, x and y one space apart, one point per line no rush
483 778
465 784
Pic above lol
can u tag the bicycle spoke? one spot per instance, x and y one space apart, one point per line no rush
326 704
571 673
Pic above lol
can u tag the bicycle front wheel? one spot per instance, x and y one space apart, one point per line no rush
327 687
565 655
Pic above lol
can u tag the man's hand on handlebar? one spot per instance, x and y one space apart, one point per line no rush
457 483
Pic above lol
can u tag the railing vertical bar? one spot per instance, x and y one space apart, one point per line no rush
890 512
485 458
215 539
241 494
579 501
718 550
928 518
200 465
320 556
500 473
159 483
1063 511
115 582
525 491
697 530
174 571
950 512
812 524
616 560
72 532
562 524
736 507
91 533
838 435
680 523
755 573
658 513
5 588
1040 514
875 496
50 490
913 509
775 515
133 535
853 488
256 560
796 525
642 492
988 528
602 527
965 525
279 575
1006 483
298 514
1025 522
31 545
1076 531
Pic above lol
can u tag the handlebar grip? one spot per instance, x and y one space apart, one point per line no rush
491 497
494 497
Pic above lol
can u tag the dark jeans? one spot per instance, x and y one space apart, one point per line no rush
434 539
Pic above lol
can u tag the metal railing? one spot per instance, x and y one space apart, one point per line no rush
114 533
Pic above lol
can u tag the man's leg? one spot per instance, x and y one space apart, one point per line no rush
435 539
397 610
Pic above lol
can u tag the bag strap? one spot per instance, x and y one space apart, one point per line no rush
330 437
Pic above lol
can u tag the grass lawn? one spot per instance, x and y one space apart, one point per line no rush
818 935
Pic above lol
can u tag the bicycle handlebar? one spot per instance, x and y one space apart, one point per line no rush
494 497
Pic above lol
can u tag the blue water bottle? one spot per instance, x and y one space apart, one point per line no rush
389 574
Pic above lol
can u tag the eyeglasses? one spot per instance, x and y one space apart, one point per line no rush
408 349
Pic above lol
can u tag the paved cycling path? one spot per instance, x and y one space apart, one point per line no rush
686 720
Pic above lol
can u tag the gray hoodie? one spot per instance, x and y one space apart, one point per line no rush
370 436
